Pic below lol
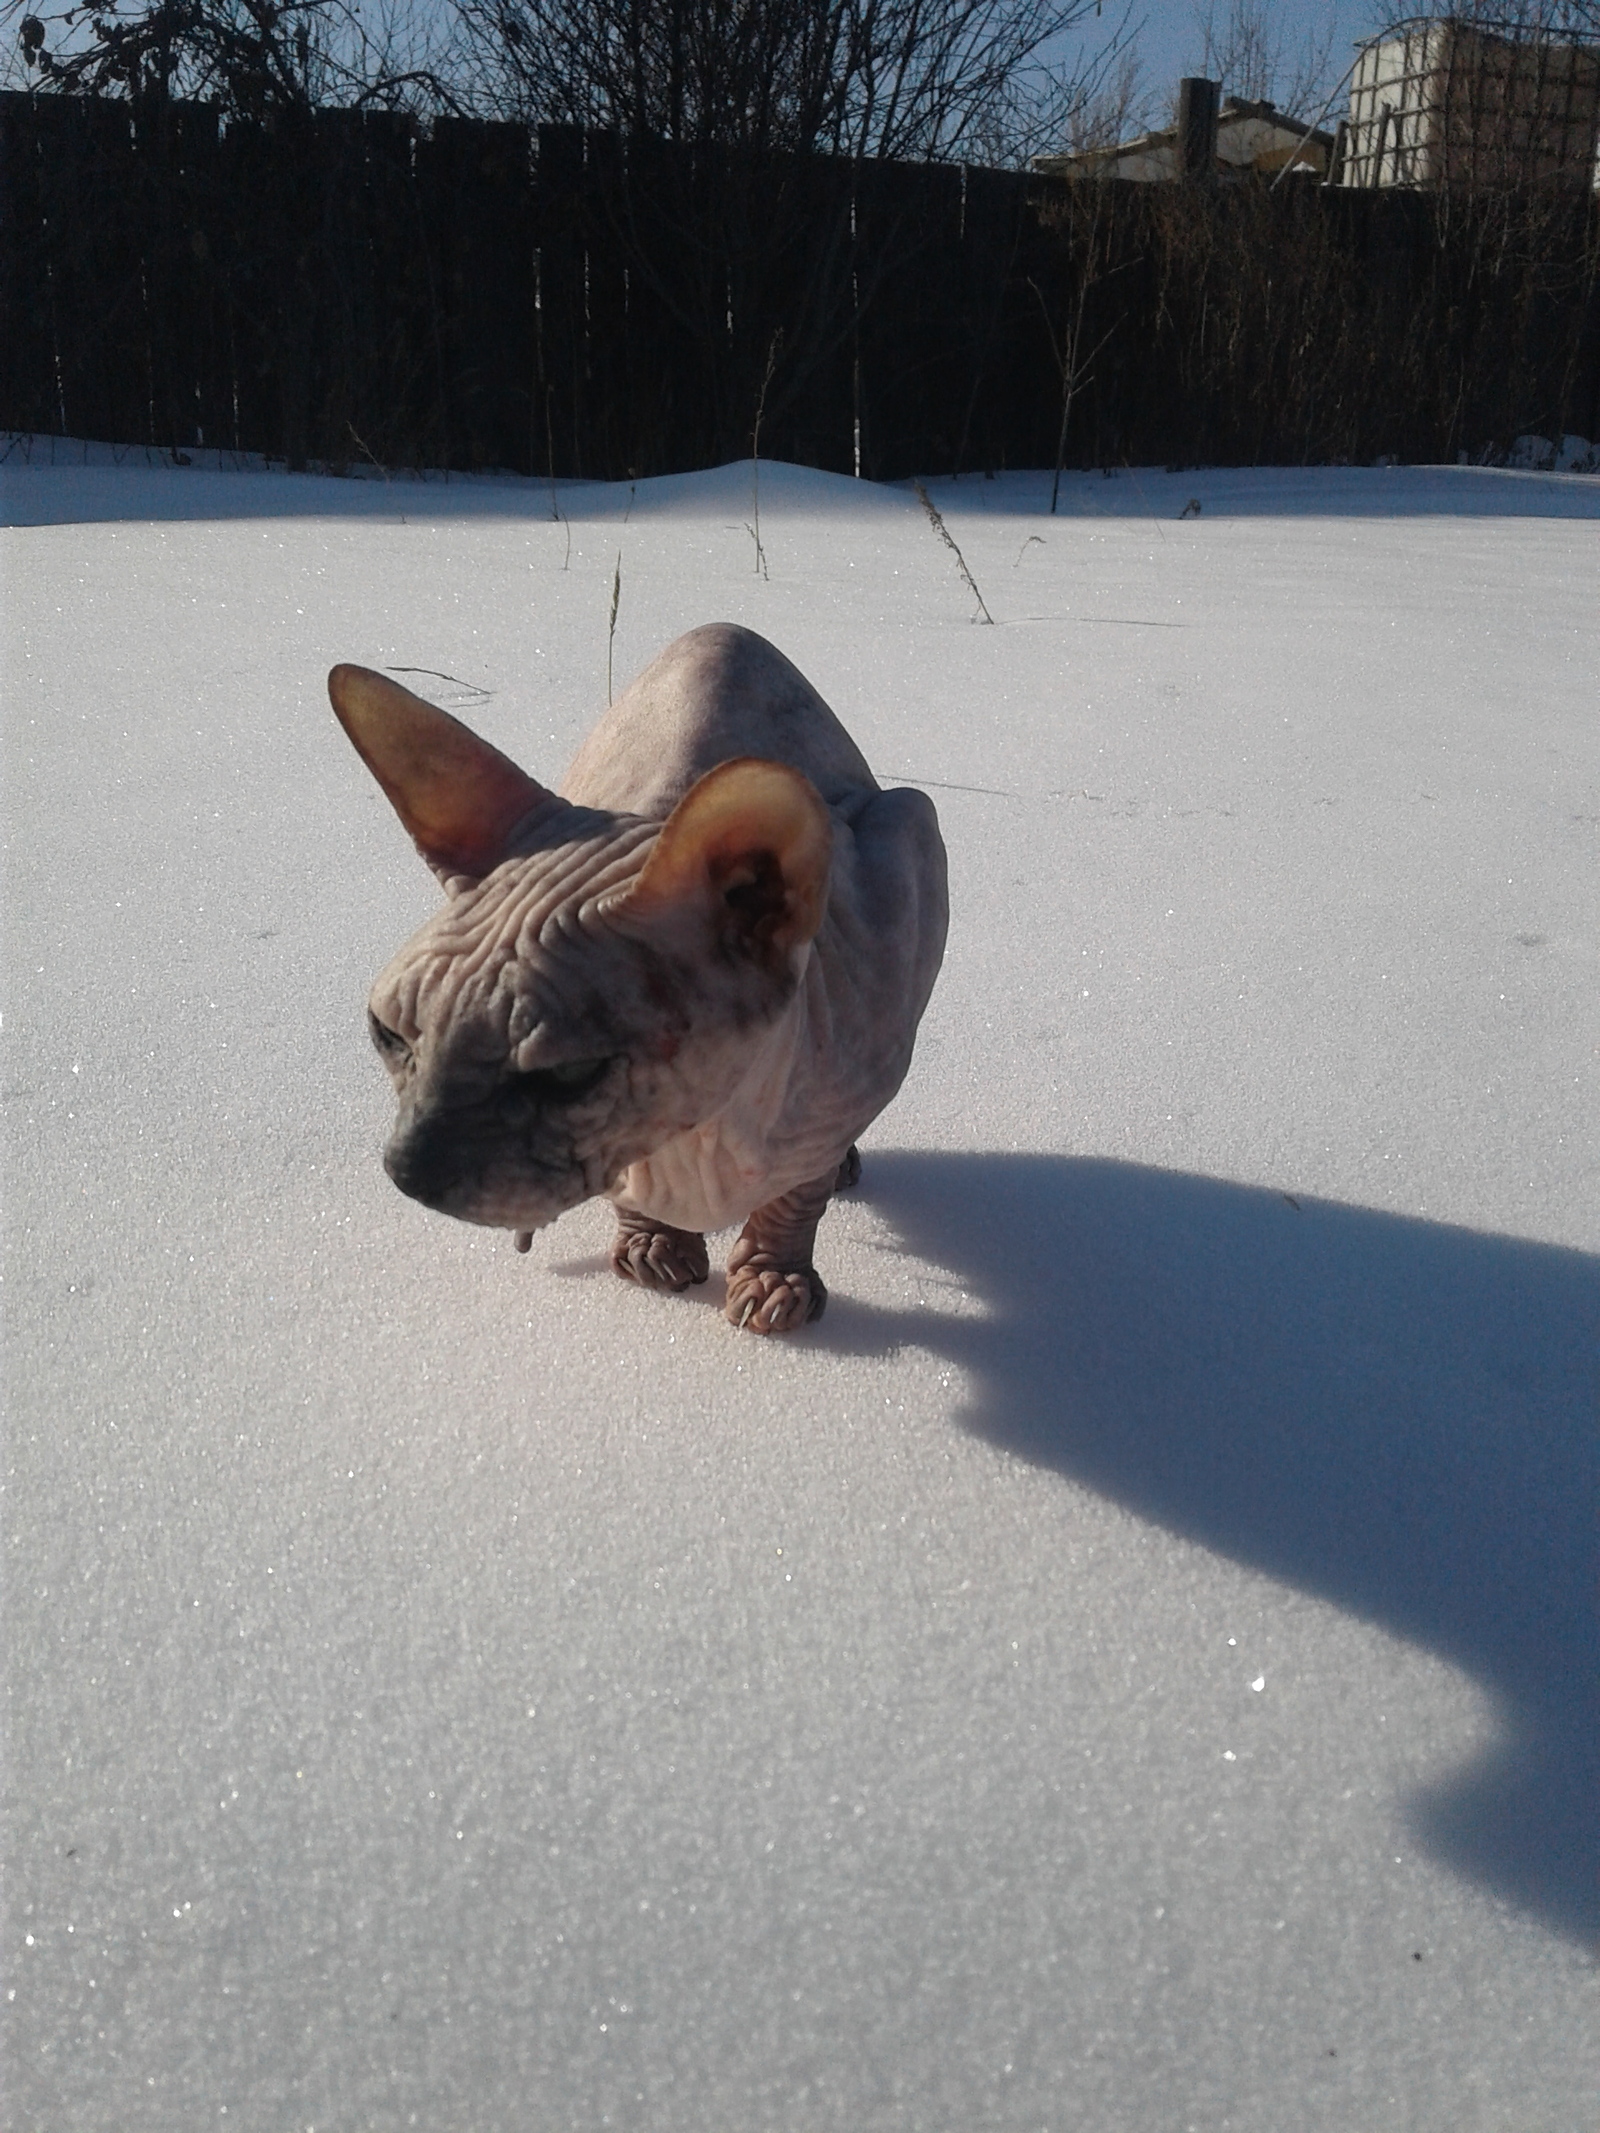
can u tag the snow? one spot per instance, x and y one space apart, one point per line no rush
1130 1666
1573 455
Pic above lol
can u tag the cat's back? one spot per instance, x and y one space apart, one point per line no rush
718 691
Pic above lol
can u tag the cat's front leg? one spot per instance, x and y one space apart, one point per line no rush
656 1255
772 1285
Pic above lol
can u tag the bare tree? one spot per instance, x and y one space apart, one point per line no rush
909 79
1246 48
247 56
1117 106
905 79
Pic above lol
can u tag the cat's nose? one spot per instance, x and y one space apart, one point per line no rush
421 1163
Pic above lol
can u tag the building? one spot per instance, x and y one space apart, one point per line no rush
1238 140
1444 102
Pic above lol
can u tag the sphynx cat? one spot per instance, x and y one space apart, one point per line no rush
686 981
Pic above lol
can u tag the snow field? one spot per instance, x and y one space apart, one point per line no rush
1126 1667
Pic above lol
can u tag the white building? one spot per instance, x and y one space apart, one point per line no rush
1251 138
1442 102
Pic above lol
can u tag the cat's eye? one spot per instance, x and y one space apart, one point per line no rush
390 1043
564 1083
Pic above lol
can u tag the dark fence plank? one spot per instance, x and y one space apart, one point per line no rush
475 182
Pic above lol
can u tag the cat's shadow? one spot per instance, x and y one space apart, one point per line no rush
1396 1416
1393 1415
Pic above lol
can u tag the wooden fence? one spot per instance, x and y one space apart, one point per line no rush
350 287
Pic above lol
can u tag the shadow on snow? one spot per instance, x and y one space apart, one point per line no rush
1392 1415
54 481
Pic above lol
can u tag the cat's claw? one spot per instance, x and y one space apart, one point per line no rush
768 1300
661 1258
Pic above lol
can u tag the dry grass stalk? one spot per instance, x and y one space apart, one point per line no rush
945 535
755 457
611 639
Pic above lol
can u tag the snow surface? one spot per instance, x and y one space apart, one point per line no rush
1130 1667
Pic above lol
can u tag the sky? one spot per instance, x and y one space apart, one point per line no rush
1168 36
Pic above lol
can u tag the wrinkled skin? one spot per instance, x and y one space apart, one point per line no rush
686 983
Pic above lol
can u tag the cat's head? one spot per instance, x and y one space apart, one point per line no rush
594 984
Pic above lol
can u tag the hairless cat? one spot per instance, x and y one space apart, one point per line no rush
686 981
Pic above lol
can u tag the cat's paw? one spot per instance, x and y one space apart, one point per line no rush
660 1258
849 1170
765 1299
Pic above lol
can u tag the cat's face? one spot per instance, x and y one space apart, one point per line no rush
540 1043
595 984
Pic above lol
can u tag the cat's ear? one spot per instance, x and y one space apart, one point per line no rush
747 851
459 798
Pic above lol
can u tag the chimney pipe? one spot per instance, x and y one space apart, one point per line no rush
1197 126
